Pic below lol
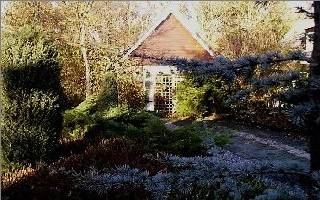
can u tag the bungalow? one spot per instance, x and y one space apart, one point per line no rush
171 37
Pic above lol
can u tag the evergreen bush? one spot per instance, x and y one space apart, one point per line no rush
30 96
89 114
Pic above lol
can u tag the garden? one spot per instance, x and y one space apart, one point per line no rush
66 136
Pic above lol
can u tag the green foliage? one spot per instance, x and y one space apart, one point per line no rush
109 91
30 96
144 128
253 88
190 99
90 113
189 140
112 112
76 123
186 141
27 58
217 96
194 99
148 130
31 127
141 127
106 98
222 139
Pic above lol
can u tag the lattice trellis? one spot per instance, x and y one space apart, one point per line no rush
164 93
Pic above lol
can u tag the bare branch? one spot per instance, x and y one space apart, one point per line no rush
302 10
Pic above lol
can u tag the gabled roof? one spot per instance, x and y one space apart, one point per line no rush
158 23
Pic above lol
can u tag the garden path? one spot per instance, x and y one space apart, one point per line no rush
284 150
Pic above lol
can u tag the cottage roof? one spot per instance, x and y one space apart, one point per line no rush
187 25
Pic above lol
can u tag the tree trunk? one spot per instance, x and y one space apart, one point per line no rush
83 20
314 93
84 56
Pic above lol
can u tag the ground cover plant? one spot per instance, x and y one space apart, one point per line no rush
112 169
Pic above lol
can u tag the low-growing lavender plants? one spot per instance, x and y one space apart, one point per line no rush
222 174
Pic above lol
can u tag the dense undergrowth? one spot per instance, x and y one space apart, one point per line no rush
119 169
102 136
31 109
111 149
143 128
254 88
131 154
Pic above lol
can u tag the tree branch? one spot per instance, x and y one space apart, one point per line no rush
302 10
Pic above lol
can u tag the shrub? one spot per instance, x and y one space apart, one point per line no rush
80 123
30 96
113 112
29 129
143 128
108 96
138 119
186 145
185 141
196 99
190 99
217 95
131 92
76 123
222 139
89 114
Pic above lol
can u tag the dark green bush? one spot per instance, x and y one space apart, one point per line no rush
88 118
76 123
222 139
217 96
141 127
29 131
187 140
30 96
144 128
150 132
90 115
138 119
108 96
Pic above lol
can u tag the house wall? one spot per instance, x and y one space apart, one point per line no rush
149 81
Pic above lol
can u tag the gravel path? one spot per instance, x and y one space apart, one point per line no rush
284 151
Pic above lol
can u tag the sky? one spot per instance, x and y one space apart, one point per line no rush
4 4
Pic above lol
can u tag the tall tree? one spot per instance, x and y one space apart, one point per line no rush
91 36
246 27
314 93
83 9
309 109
